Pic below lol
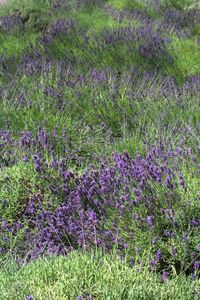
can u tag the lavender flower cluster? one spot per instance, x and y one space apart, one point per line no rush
179 20
10 22
137 83
152 45
108 205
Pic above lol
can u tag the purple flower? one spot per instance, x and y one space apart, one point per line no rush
25 159
194 223
29 298
182 182
185 237
196 265
125 246
150 221
153 263
165 276
158 255
174 251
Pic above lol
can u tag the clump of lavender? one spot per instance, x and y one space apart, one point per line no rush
8 23
58 29
117 36
108 205
152 45
180 21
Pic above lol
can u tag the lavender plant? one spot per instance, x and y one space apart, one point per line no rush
110 206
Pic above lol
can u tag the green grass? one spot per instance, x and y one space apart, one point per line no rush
17 183
127 4
93 21
28 5
14 46
186 53
180 4
99 275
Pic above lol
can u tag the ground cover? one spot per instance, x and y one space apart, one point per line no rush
99 149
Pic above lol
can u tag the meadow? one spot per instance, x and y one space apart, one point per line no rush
100 149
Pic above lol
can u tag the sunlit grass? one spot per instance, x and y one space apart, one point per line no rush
186 53
14 45
98 275
127 4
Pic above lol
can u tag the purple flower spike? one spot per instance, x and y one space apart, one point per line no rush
150 221
158 255
29 298
165 276
194 223
196 265
153 263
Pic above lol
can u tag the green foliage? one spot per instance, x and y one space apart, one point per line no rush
95 20
28 5
17 184
179 4
99 275
186 53
127 4
14 45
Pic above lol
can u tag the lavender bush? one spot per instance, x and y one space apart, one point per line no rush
123 203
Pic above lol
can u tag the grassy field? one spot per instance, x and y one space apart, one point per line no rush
99 149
